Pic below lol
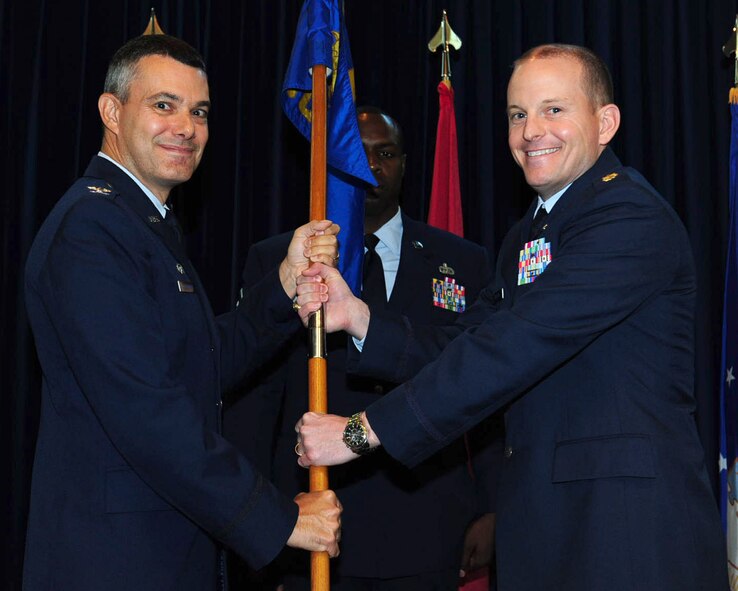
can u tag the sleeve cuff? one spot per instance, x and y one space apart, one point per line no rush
263 526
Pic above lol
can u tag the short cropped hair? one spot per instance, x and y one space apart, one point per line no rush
123 66
378 111
595 76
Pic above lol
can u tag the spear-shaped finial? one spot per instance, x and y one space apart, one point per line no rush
443 38
153 27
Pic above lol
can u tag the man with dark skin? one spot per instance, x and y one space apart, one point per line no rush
383 144
402 529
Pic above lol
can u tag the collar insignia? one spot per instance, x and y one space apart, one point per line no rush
417 244
154 219
180 268
607 178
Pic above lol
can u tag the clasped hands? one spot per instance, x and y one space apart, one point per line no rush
315 242
314 252
309 277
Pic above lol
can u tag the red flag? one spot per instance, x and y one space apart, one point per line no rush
445 202
445 213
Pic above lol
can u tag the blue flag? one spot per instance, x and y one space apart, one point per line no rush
729 386
321 38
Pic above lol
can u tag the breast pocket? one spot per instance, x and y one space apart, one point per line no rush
626 455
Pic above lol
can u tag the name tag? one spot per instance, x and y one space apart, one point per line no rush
185 287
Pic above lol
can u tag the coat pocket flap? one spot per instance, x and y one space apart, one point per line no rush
604 457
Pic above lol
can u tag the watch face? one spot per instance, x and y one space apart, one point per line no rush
355 436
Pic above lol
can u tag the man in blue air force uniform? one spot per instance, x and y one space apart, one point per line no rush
133 486
402 529
585 337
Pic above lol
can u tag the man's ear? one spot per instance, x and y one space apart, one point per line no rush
109 107
609 116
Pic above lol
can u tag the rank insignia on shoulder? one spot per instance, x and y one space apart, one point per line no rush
449 295
608 177
99 190
154 219
180 268
446 270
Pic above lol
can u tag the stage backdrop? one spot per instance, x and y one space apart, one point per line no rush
670 77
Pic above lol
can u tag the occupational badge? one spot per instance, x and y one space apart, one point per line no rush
446 270
449 295
534 258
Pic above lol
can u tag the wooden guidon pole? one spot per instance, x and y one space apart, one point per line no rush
318 387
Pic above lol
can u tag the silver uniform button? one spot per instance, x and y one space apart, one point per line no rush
508 452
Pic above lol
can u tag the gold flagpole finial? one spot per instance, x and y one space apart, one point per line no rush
731 49
444 38
153 27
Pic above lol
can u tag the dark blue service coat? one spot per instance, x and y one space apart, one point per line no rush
132 482
604 485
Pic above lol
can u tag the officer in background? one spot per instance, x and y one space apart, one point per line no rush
401 529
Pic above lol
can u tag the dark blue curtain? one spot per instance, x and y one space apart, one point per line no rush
671 82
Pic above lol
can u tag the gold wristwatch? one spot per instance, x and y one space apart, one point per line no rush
355 436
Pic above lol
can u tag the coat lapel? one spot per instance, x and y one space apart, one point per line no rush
135 200
567 203
415 273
